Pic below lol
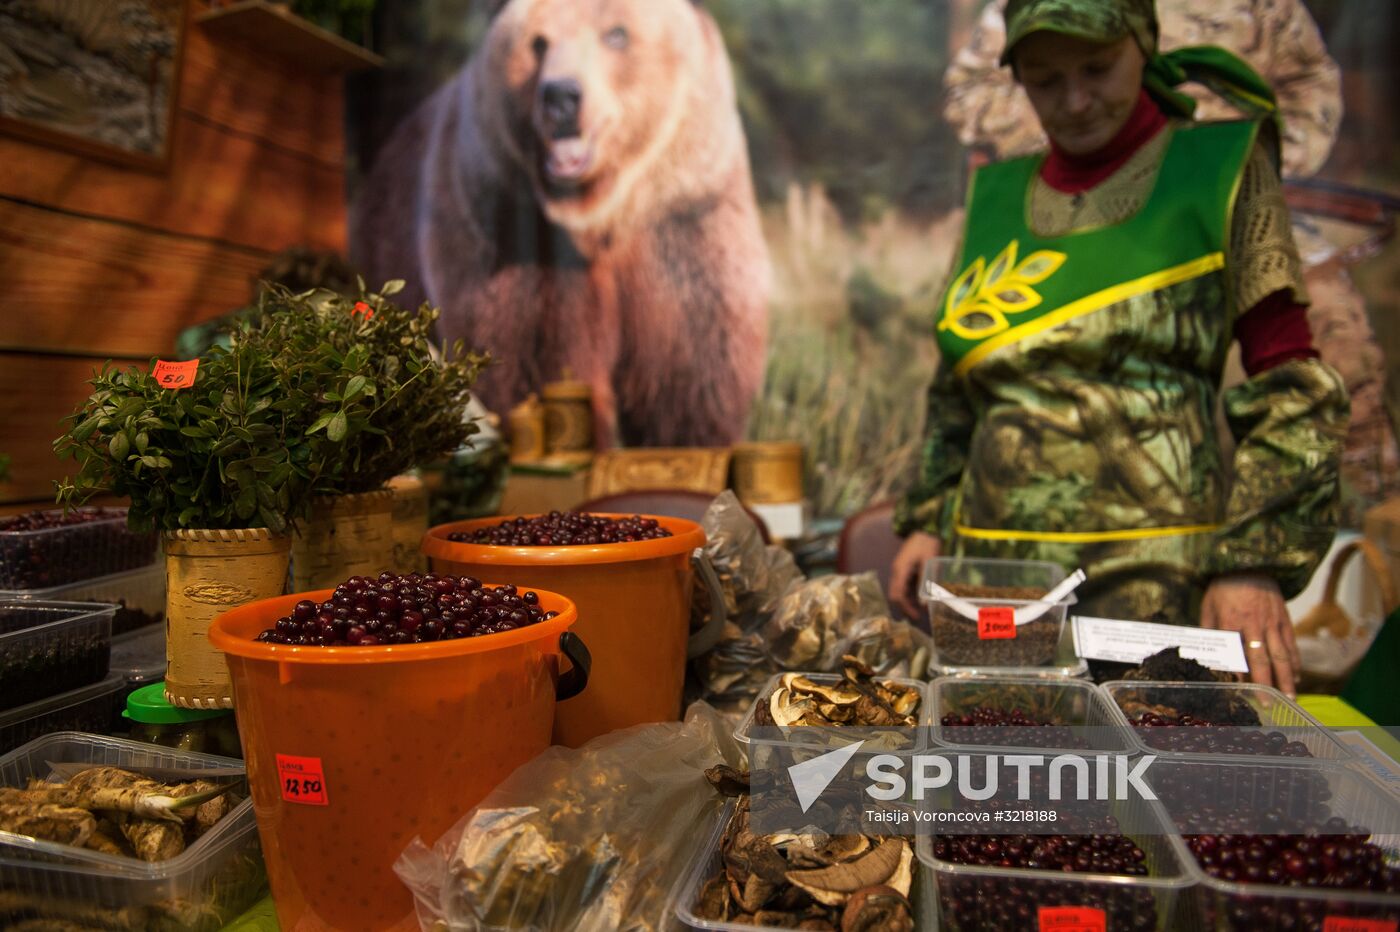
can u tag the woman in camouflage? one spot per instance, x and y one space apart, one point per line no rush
1084 336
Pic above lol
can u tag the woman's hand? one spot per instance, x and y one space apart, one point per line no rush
904 572
1252 605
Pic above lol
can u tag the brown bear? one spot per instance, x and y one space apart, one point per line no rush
578 197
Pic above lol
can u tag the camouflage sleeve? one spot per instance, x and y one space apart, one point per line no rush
1308 83
948 426
984 104
1289 423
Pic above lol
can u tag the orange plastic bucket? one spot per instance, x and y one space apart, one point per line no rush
634 613
352 751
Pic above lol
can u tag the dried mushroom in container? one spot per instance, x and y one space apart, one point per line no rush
857 699
852 883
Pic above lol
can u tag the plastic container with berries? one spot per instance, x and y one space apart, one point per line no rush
1275 846
43 549
139 596
903 738
202 889
89 708
1017 712
1131 873
51 647
994 618
1222 721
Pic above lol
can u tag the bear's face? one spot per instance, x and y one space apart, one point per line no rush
594 91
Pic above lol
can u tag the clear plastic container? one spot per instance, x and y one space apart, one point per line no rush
139 596
57 556
208 885
1081 707
1275 711
708 860
973 898
139 658
989 586
1260 787
747 723
89 708
51 647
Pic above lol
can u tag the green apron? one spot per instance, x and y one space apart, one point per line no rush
1092 361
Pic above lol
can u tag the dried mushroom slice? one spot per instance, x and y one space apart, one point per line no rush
877 909
888 863
728 781
857 699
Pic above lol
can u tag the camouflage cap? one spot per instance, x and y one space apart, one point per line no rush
1095 20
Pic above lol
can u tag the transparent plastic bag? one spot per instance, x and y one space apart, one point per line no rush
587 839
778 620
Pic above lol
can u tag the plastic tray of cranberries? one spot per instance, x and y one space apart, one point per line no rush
1137 880
42 549
416 608
563 529
1306 847
1221 720
1024 712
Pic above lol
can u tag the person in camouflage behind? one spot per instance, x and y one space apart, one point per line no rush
1280 40
1085 332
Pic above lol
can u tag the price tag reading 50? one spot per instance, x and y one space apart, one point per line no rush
303 780
175 374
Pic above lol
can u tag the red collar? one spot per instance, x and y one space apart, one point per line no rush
1072 174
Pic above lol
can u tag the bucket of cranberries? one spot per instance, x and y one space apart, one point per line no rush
632 578
383 710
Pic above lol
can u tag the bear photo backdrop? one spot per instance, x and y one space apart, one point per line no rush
763 258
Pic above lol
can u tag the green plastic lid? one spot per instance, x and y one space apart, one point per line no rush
148 706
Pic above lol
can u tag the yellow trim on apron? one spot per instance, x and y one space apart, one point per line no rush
1086 537
1095 302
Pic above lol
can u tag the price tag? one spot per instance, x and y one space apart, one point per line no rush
996 622
302 780
362 308
1349 924
175 374
1072 919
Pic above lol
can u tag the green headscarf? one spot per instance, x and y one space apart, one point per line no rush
1223 73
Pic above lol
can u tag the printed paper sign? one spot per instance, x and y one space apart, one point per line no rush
303 780
1134 641
1072 919
175 374
996 622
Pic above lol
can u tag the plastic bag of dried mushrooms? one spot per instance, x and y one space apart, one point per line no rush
578 839
778 620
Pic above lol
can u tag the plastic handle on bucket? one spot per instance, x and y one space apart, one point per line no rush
573 682
708 636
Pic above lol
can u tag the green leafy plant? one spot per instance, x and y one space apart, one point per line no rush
387 398
319 395
233 450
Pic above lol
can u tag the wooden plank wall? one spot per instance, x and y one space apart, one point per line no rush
102 262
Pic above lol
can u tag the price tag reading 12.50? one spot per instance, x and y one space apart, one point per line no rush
1072 919
175 374
996 622
303 780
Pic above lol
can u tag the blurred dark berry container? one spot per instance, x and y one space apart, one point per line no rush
633 603
51 647
55 556
1276 713
354 751
88 708
139 596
